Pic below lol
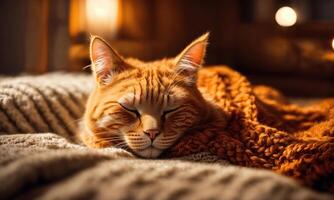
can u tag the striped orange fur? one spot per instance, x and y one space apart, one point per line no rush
144 107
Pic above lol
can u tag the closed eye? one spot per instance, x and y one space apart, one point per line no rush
131 110
169 111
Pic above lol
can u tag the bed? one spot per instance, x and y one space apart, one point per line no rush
40 157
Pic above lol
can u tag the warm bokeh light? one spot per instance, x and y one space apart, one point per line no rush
333 43
286 16
102 16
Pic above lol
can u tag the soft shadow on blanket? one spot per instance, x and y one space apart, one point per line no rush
49 167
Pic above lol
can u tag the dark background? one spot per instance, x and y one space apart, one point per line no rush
39 36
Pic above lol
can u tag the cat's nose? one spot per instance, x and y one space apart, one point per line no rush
152 133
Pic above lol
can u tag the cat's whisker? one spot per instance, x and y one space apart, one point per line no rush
169 137
113 138
105 132
78 120
109 139
87 66
122 146
167 141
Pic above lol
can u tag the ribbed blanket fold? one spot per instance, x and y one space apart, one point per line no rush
47 166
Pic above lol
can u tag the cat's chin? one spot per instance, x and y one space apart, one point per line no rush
149 152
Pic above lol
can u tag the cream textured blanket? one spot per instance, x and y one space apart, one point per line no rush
40 159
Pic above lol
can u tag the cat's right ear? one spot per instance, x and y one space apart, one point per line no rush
191 59
106 62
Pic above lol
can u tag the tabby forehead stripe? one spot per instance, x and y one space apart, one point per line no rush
149 87
141 92
152 86
158 87
134 96
158 96
145 88
167 99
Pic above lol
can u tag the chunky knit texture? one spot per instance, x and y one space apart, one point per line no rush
55 102
265 131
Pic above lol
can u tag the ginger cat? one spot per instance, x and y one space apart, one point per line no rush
145 107
172 107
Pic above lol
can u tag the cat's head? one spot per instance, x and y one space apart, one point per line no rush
144 107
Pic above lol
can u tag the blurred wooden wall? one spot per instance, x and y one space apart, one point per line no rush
43 35
298 60
12 34
35 36
153 29
157 29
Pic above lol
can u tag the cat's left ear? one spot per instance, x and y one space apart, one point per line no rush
106 62
191 58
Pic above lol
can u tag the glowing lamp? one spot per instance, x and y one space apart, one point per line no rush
286 16
333 43
102 17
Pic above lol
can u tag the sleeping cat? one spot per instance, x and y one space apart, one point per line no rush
145 107
173 107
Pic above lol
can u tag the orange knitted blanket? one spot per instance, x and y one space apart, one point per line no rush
263 130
